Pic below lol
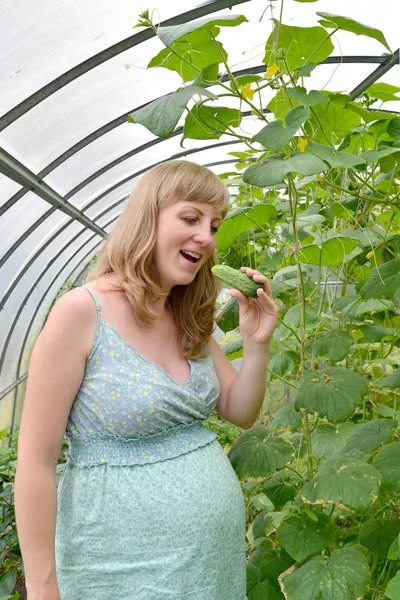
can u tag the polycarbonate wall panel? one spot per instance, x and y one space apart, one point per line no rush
41 41
18 218
8 188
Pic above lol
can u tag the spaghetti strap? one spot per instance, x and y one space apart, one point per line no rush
91 292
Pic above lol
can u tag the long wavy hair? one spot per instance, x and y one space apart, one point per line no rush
129 252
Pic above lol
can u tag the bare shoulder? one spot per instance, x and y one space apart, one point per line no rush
74 315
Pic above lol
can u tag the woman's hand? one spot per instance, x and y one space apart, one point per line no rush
257 316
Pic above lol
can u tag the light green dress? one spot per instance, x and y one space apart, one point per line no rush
149 507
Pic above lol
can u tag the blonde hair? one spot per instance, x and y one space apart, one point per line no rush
129 251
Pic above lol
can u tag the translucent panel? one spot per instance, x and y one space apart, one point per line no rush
22 215
8 188
40 42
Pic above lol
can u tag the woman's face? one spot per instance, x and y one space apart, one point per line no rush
186 235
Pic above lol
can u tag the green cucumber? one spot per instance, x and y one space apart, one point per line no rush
238 280
228 315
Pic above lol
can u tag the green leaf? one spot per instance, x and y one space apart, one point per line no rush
302 536
191 57
369 436
346 24
293 318
8 582
384 280
328 439
336 120
334 345
275 135
270 262
387 462
231 344
214 120
239 221
346 481
383 91
253 455
343 575
282 488
394 128
273 170
394 550
392 590
371 156
334 157
375 333
378 534
261 589
307 98
301 45
392 381
332 392
330 253
161 116
260 523
285 418
169 35
283 363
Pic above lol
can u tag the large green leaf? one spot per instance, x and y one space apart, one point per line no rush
254 455
384 280
282 488
209 122
302 536
342 576
346 481
333 345
161 116
169 35
293 318
378 534
369 436
283 363
306 98
334 157
262 580
275 135
371 156
375 333
383 91
392 381
387 462
328 439
332 392
190 56
330 253
272 170
241 220
394 128
332 122
301 45
346 24
392 590
285 418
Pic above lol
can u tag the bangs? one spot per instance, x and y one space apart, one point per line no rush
194 183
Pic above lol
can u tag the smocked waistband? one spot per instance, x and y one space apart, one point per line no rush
95 449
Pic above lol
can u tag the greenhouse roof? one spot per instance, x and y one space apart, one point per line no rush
71 73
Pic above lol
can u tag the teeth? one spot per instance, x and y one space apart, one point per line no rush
191 253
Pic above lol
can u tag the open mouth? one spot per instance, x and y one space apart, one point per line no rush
189 257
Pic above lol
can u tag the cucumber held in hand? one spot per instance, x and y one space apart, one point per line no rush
238 280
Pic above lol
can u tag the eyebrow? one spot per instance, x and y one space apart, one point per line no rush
202 214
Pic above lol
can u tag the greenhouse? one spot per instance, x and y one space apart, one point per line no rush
293 107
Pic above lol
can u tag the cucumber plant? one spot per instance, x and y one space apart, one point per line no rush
316 209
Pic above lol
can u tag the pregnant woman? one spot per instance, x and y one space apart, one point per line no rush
148 507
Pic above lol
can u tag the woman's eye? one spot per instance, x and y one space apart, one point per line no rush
214 229
190 220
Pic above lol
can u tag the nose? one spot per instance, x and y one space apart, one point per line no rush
204 235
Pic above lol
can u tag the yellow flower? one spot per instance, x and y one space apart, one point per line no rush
270 72
302 145
369 255
247 91
319 176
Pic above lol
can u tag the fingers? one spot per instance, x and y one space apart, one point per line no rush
258 278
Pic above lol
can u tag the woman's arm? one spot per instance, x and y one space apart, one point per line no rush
242 393
55 374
